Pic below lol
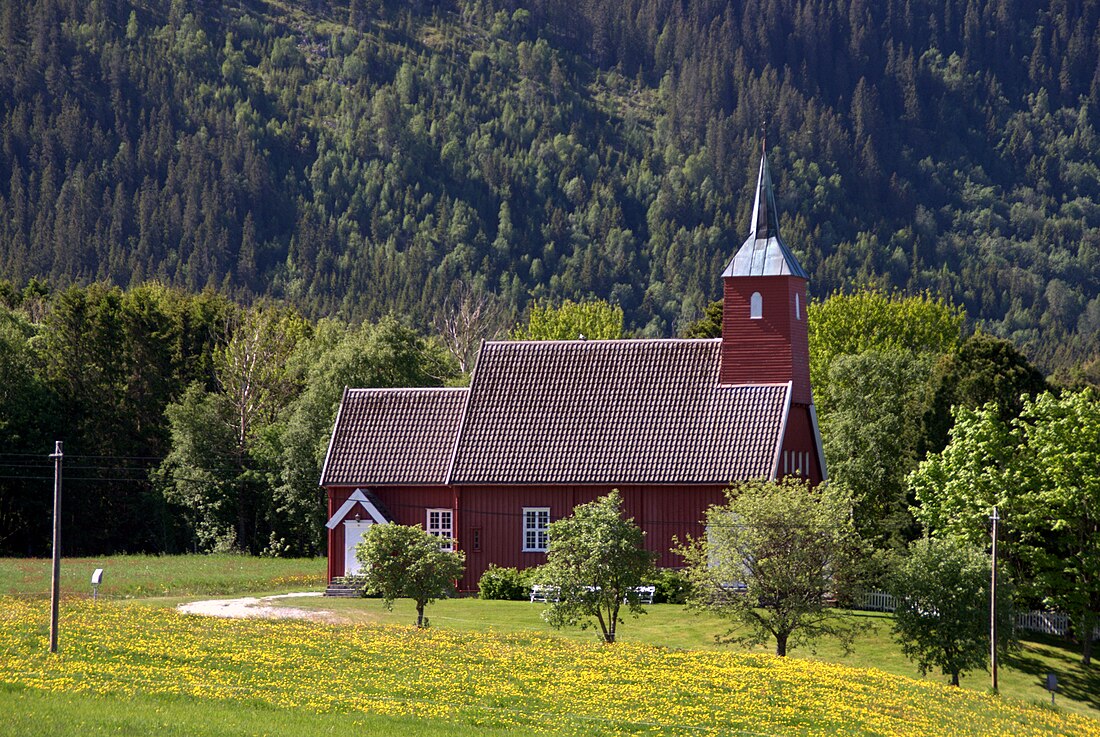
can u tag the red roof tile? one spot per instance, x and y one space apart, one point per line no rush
394 436
617 411
565 412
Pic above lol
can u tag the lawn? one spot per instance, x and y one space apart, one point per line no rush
32 713
133 576
296 675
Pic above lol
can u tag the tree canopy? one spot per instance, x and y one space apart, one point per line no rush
406 561
872 320
872 356
189 422
359 158
942 617
595 560
772 559
1041 471
591 320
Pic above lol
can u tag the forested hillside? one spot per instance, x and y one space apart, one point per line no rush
366 157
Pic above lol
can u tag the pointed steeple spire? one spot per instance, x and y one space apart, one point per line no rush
764 253
765 216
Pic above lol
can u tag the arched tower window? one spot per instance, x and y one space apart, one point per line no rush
756 306
797 308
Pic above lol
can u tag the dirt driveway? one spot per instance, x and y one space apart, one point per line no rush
250 607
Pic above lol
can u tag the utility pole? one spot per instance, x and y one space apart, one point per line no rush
993 605
56 594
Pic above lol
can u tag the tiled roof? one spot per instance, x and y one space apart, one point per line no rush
394 436
621 411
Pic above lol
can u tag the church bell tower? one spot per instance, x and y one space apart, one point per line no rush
764 338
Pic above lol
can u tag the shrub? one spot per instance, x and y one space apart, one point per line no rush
672 586
508 584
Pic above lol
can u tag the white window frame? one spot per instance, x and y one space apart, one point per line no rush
442 526
536 520
756 306
797 308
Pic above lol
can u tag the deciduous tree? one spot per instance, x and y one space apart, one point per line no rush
596 559
984 369
1060 510
773 557
870 437
1042 472
468 317
871 320
595 320
384 354
405 561
942 615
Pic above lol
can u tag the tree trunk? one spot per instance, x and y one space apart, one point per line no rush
955 678
419 614
781 644
1086 643
608 632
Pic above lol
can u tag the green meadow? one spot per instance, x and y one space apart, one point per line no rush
140 696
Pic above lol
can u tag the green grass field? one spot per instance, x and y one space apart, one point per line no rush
139 576
31 713
119 681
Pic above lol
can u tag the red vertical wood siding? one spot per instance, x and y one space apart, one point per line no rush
406 505
799 438
774 348
664 512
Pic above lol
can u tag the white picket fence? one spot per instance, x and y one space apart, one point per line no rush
877 601
1050 623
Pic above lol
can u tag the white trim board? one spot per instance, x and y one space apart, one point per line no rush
818 445
782 432
357 497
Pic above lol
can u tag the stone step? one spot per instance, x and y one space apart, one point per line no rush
342 590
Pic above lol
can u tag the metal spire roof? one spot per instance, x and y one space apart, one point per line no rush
764 253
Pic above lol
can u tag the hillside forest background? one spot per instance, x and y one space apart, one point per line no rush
192 190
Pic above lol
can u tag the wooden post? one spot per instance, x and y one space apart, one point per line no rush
56 590
993 606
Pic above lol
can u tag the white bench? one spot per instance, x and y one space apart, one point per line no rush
545 594
548 594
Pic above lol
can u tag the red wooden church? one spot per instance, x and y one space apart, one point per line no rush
547 425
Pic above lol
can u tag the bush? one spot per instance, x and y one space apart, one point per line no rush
508 584
672 586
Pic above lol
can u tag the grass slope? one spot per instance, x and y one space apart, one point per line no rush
1022 675
519 683
32 713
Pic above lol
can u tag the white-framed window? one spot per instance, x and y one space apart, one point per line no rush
797 308
536 521
440 523
756 306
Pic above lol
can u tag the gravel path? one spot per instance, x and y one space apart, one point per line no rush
250 607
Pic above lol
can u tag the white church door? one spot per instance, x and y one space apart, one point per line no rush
353 534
